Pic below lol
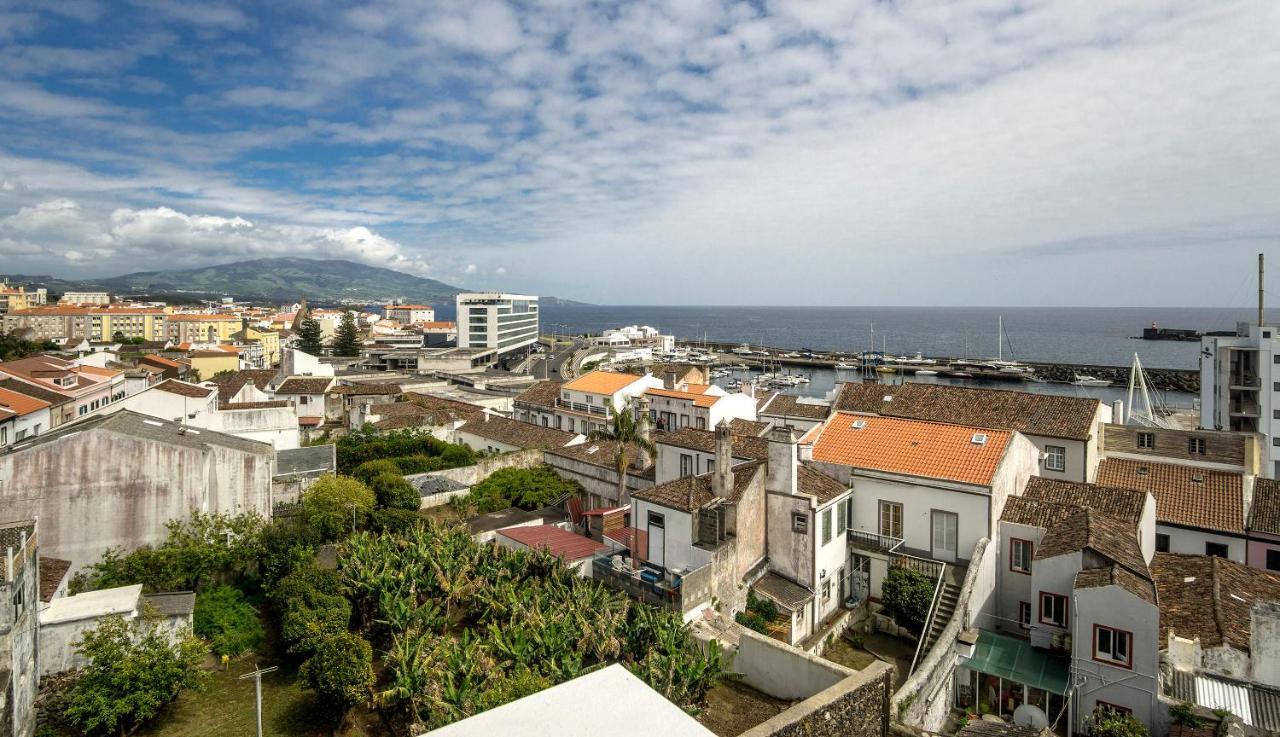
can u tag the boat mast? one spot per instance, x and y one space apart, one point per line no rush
999 337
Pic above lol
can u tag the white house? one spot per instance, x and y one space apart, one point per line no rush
198 406
410 314
307 393
587 403
21 417
700 406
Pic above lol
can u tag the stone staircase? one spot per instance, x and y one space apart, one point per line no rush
946 608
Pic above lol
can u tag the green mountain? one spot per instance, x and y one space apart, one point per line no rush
268 279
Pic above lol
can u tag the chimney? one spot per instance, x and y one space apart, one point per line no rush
669 380
486 414
722 482
642 416
784 462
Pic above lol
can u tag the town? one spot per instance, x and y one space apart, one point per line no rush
491 526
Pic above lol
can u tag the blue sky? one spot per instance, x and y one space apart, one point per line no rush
798 152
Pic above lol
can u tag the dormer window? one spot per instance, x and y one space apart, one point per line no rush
979 438
859 424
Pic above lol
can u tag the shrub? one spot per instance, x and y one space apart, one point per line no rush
131 675
393 520
393 492
526 488
457 456
341 669
364 445
311 607
334 503
907 595
286 542
1110 723
751 620
369 470
228 621
406 465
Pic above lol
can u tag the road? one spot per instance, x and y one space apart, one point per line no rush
552 365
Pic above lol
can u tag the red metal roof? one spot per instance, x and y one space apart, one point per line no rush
558 542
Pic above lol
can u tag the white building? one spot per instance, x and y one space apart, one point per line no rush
637 336
700 406
21 417
410 314
198 406
587 402
1239 386
506 322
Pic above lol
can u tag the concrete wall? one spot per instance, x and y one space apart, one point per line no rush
599 483
790 552
275 425
1264 642
97 489
1257 550
829 558
1133 688
918 500
1192 542
482 444
19 609
1013 587
1056 575
782 671
482 469
1077 467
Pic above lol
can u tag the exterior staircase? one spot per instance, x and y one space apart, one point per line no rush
941 617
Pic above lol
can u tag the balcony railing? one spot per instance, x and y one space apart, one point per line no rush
872 542
589 409
681 594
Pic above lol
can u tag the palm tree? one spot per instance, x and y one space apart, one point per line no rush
626 430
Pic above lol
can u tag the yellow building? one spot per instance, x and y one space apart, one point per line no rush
91 323
202 327
18 298
270 342
208 364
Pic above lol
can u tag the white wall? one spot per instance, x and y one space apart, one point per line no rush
30 425
918 501
1056 575
783 671
1191 542
732 407
831 557
1013 587
677 551
1134 688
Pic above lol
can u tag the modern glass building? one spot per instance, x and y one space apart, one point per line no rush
506 322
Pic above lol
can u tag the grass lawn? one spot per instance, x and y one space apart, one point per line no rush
225 707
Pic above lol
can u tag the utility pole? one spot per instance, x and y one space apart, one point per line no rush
256 675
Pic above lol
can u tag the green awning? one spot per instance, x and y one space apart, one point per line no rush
1014 659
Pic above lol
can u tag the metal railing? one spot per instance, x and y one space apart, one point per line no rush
590 409
873 542
930 568
938 586
689 591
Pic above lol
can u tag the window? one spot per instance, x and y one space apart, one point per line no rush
1053 609
545 421
1196 446
1020 555
1112 646
702 423
1162 542
1103 705
1215 549
1273 560
1024 615
800 523
684 420
656 520
891 519
686 464
1055 458
304 399
826 526
826 589
842 516
1146 440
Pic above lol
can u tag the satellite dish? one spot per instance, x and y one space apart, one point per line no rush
1030 716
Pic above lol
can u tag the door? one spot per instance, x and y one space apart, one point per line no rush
946 531
657 539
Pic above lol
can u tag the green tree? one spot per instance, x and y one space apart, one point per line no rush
393 492
13 347
629 433
341 669
228 621
334 504
129 678
310 339
526 488
1110 723
346 340
907 595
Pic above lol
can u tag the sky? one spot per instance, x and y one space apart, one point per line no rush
985 152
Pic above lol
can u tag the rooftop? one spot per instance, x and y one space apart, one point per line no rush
1120 576
819 485
782 591
603 453
912 447
1107 536
172 603
602 382
184 389
558 542
136 425
52 571
520 434
20 404
305 385
1049 415
699 399
441 410
92 604
744 446
689 493
1121 503
308 459
1209 597
543 394
1264 515
1185 495
787 405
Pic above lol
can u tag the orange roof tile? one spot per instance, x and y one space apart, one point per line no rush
20 404
438 325
408 307
912 447
699 400
95 371
601 382
202 317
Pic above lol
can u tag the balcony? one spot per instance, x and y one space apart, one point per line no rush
681 593
873 543
1244 382
586 409
1245 409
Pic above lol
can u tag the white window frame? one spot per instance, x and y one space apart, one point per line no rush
1020 554
1113 653
892 522
1055 458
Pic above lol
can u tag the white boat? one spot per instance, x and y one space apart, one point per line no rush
1086 380
926 372
846 366
802 379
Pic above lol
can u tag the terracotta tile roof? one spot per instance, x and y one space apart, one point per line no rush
602 382
1185 495
817 484
542 394
401 422
1049 415
1022 510
744 446
693 492
200 317
364 390
305 385
1264 515
558 542
1120 576
398 409
184 389
311 421
1083 529
52 571
438 325
20 404
749 428
95 371
153 358
1209 597
912 447
603 453
786 405
441 410
514 432
230 384
254 405
1121 503
698 400
26 388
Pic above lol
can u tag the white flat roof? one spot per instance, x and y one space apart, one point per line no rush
122 600
607 701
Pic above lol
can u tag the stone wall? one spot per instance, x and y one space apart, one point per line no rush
482 469
857 706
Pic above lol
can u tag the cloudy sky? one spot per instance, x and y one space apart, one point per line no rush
988 152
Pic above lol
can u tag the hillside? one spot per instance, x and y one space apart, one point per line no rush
270 279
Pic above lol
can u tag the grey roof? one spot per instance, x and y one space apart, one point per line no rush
133 424
782 591
308 459
173 604
1264 702
427 484
981 728
513 516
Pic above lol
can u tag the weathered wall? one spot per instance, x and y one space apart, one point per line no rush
857 706
783 671
94 490
483 468
18 643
